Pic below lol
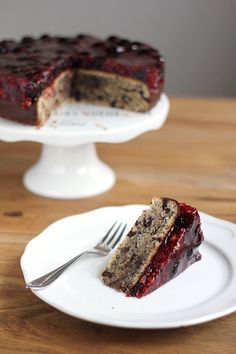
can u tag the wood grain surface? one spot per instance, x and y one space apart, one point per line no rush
192 158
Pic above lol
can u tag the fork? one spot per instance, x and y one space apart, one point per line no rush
103 248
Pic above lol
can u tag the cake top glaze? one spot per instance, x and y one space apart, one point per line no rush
30 65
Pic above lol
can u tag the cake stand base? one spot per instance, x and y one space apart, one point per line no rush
69 172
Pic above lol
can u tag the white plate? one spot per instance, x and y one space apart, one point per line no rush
205 291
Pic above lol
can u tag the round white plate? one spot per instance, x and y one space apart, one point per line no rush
205 291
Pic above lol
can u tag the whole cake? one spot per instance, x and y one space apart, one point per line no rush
38 74
163 242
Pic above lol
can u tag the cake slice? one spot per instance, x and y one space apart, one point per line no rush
162 243
38 74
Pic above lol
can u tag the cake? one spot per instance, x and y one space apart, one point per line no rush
162 243
38 74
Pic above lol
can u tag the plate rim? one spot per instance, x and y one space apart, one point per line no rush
133 325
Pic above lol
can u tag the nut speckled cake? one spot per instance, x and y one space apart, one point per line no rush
162 243
38 74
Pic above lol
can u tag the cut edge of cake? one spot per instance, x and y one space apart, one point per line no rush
54 95
136 253
112 90
162 243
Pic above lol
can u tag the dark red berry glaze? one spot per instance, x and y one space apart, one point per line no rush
28 66
176 253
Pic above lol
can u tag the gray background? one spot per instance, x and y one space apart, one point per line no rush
197 37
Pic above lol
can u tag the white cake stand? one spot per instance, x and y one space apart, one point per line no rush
69 166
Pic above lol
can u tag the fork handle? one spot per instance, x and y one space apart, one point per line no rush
48 278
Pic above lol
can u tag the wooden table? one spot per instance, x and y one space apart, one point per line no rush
192 158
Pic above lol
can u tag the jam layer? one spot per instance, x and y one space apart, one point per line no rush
177 252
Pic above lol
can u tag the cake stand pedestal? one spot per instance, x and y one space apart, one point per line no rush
69 172
69 166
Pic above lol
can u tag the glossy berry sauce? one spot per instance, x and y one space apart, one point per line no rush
28 66
177 252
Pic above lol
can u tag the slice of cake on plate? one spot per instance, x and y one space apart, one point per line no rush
162 243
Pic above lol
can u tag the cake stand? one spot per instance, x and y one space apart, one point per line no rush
69 166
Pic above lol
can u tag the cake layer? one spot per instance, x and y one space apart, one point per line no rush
141 244
113 90
53 95
28 67
163 243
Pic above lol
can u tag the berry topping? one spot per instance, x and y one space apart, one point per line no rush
174 255
120 49
190 252
184 220
152 79
80 36
124 43
98 62
113 39
135 46
41 60
27 40
175 267
45 37
98 45
31 90
144 51
27 103
62 39
140 74
3 50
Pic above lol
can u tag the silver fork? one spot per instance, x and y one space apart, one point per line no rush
103 248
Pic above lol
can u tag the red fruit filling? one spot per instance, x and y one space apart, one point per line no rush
28 66
177 252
